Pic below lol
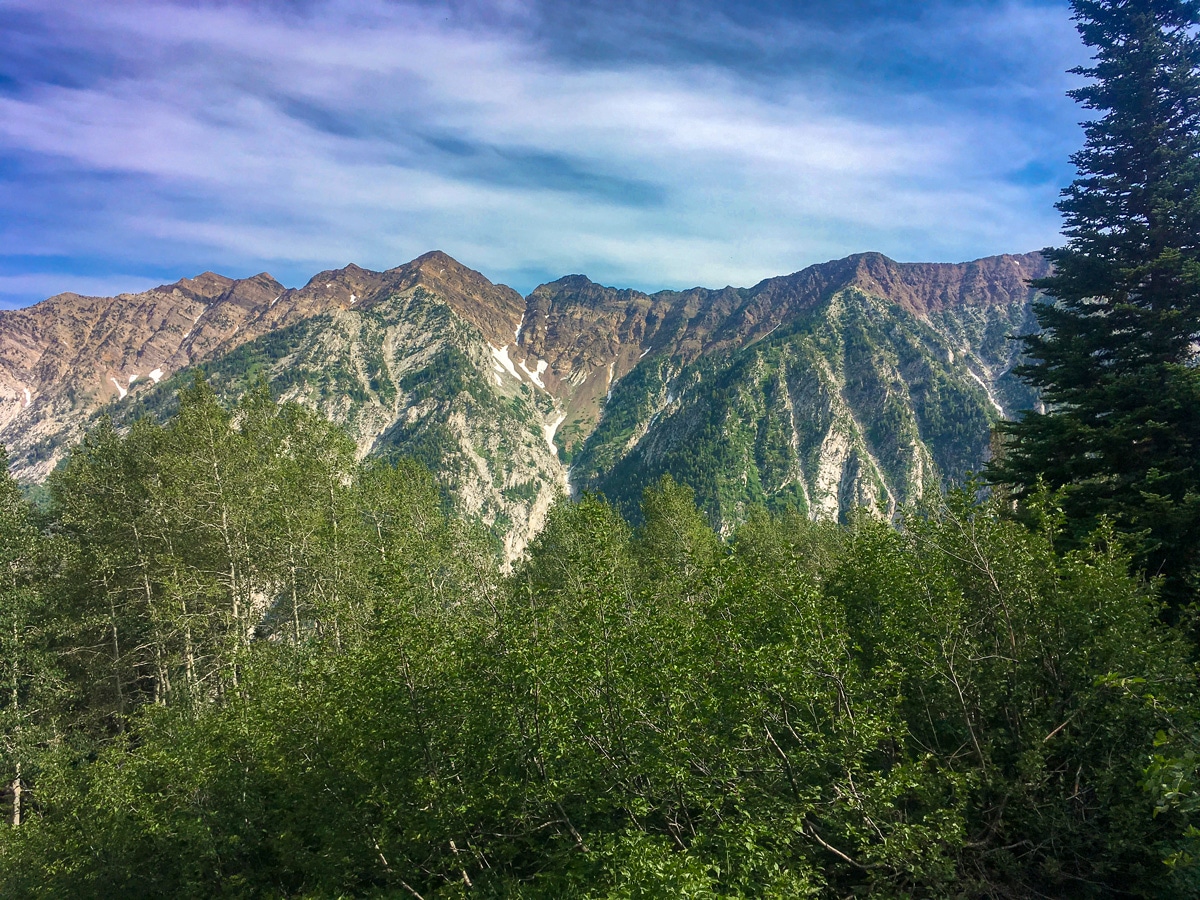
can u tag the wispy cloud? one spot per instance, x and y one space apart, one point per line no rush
526 139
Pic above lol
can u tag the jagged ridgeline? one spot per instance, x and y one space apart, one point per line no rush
856 382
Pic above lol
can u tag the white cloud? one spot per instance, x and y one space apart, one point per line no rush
302 142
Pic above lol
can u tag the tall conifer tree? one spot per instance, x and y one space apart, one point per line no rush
1116 357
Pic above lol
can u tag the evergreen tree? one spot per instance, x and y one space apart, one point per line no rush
1115 359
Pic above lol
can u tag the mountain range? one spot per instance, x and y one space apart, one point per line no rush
858 382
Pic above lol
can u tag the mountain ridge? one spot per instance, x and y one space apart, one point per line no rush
699 320
509 397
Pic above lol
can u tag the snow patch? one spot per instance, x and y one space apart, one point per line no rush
156 375
496 375
550 429
501 356
133 378
120 390
352 299
273 302
28 398
520 325
644 352
536 375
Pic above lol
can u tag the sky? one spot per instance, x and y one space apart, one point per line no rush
646 143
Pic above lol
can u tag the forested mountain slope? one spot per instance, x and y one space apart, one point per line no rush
860 382
856 382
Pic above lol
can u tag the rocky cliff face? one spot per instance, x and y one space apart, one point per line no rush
856 382
68 357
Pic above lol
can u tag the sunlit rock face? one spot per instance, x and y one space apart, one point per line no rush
855 382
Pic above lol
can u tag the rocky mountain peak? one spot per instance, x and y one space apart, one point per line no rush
337 287
439 260
253 293
205 286
66 357
495 309
591 336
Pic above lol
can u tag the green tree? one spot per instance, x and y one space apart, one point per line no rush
675 541
115 629
186 540
1115 358
30 683
302 466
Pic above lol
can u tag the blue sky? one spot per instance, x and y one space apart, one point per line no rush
646 143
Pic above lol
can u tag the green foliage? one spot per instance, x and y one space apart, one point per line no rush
632 403
949 709
707 443
448 374
31 690
431 443
1115 358
526 491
